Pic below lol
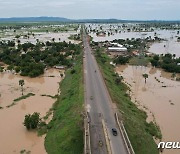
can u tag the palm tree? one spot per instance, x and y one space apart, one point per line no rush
145 76
21 83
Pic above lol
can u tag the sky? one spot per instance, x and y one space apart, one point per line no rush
89 9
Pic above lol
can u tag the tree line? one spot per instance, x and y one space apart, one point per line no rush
31 60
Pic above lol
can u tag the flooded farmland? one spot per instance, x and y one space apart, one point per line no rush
160 96
168 45
14 136
44 37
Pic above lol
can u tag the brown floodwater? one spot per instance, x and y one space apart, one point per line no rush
160 96
44 37
14 136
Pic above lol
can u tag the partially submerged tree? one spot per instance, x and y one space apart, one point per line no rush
145 76
118 79
32 121
21 83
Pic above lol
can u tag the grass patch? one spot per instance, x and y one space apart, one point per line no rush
54 97
139 131
25 152
139 61
23 97
65 131
20 98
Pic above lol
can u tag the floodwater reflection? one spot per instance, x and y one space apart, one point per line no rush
160 95
14 136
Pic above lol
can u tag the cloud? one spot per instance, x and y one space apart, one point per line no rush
121 9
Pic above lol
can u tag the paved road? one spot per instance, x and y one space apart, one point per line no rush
99 106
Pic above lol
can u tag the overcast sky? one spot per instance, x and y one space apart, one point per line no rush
78 9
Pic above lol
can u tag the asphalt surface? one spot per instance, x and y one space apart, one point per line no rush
98 104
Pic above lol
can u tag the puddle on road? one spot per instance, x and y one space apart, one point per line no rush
160 96
14 136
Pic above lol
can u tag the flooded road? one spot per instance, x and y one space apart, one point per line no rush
160 95
14 136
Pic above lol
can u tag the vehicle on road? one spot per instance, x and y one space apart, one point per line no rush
91 98
114 131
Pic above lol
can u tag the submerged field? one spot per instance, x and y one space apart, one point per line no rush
50 47
14 136
159 97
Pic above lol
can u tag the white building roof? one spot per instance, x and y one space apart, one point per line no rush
117 44
117 49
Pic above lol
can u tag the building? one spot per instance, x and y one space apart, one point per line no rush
117 49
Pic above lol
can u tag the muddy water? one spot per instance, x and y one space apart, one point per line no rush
14 136
164 47
44 37
162 102
169 46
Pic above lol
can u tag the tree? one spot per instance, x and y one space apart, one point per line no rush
118 80
21 83
174 56
32 121
61 75
121 60
145 76
53 39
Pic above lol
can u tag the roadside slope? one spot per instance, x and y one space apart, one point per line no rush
65 134
139 131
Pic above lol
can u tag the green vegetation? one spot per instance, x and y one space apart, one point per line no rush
24 97
54 97
145 76
121 60
20 27
139 61
65 131
31 60
31 121
1 69
21 83
75 37
20 98
168 62
139 131
25 152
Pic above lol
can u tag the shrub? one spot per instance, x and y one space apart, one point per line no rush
31 121
73 71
